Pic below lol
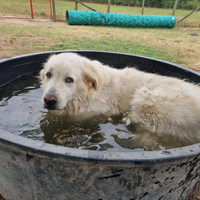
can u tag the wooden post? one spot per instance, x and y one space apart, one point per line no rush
174 9
76 7
109 2
189 14
143 2
54 10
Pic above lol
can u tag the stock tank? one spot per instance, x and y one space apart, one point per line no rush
31 169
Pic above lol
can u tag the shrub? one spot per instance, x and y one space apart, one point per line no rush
182 4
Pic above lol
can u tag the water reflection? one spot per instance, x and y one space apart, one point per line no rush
21 113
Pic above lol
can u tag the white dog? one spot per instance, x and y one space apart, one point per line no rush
161 105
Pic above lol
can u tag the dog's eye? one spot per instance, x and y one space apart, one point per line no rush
69 80
48 75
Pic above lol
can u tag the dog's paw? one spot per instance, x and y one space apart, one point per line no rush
126 120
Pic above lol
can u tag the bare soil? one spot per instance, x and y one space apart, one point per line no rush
34 22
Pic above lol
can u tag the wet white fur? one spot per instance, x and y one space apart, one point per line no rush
160 105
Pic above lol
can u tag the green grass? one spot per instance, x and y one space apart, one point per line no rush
173 45
42 10
123 46
21 8
182 4
193 20
63 38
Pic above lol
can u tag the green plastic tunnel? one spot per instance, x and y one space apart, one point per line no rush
74 17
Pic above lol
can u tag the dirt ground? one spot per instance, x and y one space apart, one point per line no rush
7 54
35 22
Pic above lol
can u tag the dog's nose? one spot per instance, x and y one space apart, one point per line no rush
50 100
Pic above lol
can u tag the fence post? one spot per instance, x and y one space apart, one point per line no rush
84 5
189 14
76 5
31 4
174 9
109 2
54 10
143 2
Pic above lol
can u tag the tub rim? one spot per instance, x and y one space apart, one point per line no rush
39 148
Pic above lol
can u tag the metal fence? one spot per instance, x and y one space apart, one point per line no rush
56 9
34 9
61 6
26 9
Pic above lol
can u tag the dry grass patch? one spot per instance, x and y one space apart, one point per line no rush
175 45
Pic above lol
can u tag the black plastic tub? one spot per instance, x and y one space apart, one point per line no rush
34 170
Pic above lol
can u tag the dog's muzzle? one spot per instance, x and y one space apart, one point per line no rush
50 102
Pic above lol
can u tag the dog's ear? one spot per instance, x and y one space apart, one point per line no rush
91 80
42 72
91 77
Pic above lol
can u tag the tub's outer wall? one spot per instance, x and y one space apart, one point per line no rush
28 172
27 176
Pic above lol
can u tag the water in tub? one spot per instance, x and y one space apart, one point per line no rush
22 113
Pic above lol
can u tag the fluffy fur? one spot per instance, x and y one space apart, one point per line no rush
158 104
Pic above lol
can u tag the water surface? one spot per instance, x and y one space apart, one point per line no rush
22 113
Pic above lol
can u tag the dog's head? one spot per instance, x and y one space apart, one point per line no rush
67 79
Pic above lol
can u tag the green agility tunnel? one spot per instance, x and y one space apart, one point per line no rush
74 17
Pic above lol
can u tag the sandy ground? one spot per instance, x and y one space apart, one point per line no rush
33 22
